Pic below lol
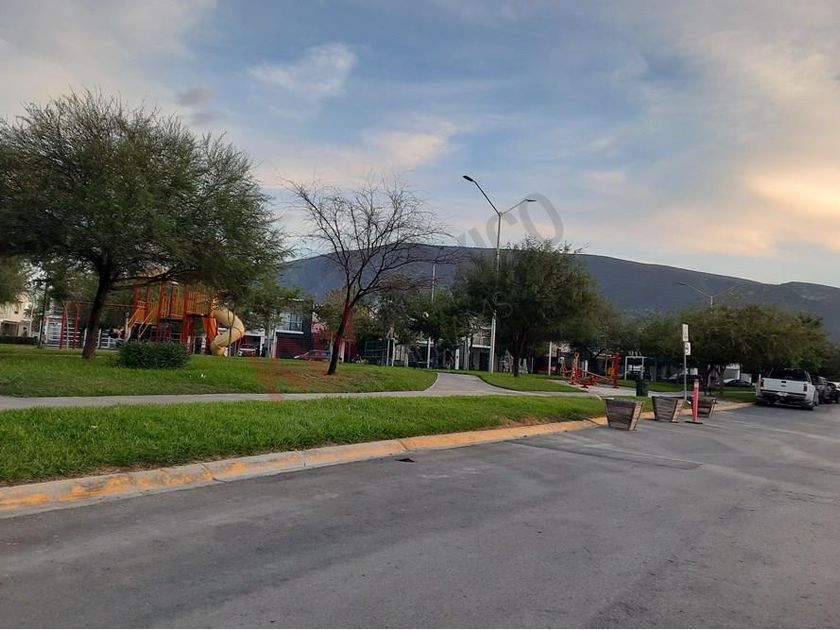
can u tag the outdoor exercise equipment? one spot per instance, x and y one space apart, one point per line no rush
578 376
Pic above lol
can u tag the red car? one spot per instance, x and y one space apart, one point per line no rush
314 355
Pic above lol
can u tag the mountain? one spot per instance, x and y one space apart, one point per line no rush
631 286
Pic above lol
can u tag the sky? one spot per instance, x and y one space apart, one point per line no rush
703 135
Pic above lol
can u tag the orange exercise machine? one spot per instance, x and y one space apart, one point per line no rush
584 378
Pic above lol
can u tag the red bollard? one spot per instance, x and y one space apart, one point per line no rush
695 403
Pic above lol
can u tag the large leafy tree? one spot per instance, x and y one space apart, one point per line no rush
759 337
12 278
540 292
445 317
658 335
604 330
89 184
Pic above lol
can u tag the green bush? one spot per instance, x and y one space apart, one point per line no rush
145 354
24 341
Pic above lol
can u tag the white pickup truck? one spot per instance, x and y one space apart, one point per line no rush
790 386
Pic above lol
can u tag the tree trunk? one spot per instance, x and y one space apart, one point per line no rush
339 339
519 350
721 372
92 329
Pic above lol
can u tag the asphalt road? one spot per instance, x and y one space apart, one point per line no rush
733 523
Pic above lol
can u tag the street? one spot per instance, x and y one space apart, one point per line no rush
732 523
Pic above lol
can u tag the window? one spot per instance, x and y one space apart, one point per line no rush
291 322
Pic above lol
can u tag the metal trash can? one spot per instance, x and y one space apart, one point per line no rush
641 386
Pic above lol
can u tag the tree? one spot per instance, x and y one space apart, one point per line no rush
374 236
445 318
13 278
759 337
131 196
604 330
539 293
658 335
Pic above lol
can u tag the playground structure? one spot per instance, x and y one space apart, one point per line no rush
170 312
163 312
66 333
584 378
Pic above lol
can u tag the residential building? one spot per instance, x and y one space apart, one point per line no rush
16 318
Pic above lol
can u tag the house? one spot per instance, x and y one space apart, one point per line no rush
16 318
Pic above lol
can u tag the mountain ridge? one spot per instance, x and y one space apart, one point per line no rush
633 287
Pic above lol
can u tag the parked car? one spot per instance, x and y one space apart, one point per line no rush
823 391
790 386
834 392
314 355
737 382
247 351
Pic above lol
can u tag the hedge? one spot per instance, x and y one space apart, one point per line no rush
22 341
146 354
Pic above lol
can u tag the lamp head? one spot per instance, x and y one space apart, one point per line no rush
469 179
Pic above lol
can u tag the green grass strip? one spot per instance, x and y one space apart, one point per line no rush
526 382
27 371
45 443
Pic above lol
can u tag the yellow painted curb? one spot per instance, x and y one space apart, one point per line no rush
49 495
39 497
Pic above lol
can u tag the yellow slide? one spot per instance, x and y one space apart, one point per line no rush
235 330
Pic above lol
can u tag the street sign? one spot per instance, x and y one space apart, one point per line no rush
685 333
687 349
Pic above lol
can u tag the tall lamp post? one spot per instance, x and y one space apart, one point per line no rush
491 362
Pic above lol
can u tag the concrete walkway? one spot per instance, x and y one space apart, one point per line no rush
446 385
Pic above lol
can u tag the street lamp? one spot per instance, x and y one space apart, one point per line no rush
491 362
711 296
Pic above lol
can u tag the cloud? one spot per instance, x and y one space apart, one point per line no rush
194 96
48 48
321 73
732 142
378 151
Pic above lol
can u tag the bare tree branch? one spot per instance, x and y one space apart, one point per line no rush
374 235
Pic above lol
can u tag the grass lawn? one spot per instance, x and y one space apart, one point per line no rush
44 443
738 394
29 371
526 382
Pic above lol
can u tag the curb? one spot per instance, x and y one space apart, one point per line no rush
50 495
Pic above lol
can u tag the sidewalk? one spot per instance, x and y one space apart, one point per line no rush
446 385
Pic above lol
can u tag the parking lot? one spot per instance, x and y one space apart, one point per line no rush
732 523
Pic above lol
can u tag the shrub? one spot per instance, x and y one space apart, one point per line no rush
145 354
23 341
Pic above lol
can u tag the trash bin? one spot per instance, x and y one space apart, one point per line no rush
641 386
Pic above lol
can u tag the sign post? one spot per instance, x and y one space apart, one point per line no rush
695 403
686 353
